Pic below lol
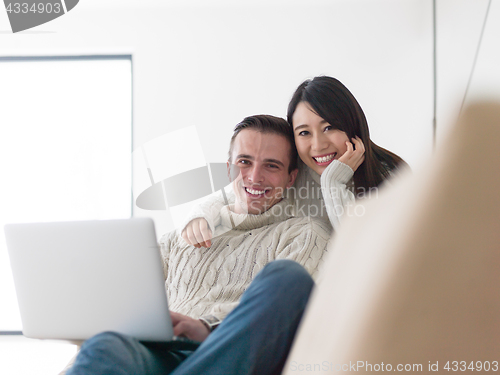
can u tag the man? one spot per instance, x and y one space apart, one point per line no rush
207 286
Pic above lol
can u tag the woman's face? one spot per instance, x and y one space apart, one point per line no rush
318 143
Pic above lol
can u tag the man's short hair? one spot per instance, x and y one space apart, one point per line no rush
271 125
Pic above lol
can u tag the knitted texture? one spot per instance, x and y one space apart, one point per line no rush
325 197
211 281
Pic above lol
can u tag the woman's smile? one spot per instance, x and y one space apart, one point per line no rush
324 159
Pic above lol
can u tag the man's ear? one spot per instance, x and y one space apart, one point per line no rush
292 176
228 164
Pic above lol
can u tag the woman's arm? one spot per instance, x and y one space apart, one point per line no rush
200 224
334 179
338 199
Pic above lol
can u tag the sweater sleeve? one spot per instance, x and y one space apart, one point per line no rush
222 310
334 190
210 208
308 245
165 243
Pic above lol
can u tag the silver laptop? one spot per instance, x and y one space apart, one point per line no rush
76 279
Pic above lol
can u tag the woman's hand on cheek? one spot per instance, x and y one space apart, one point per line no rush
354 157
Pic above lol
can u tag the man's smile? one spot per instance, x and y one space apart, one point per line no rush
255 192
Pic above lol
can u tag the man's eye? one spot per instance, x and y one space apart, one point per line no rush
243 162
272 166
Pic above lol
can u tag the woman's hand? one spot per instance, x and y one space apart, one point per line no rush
355 155
197 233
185 326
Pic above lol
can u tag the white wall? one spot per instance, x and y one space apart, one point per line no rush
211 63
459 28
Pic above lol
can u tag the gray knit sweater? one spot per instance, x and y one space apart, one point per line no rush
211 281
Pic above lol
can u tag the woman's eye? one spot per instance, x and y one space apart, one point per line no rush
327 128
303 132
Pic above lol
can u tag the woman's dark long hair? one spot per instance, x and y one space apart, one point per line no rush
333 102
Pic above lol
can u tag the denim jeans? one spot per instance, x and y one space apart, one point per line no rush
254 338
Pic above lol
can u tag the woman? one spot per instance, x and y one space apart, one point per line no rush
339 161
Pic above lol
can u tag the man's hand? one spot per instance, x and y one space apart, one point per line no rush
197 233
354 157
185 326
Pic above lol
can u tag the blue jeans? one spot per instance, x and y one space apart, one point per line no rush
255 337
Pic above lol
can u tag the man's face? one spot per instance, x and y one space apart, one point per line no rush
261 163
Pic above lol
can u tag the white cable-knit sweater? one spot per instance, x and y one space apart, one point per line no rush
211 281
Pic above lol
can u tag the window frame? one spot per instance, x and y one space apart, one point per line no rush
92 57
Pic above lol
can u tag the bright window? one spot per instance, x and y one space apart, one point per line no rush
65 147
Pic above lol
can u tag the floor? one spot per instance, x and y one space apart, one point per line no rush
23 356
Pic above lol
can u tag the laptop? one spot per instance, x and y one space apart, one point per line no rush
76 279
